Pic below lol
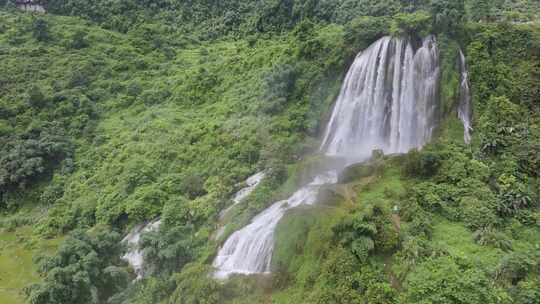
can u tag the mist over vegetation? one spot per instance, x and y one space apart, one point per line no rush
116 112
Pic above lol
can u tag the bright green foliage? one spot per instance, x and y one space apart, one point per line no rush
134 110
445 280
418 22
86 269
195 287
174 244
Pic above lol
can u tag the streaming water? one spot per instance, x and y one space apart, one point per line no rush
465 106
252 182
249 249
388 101
134 255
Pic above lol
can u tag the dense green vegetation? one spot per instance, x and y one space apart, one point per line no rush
113 113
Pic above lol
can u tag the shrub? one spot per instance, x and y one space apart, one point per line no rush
513 195
443 280
490 237
515 266
422 164
36 98
362 31
478 213
279 87
194 286
40 30
79 40
86 269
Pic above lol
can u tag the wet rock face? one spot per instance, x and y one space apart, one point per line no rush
30 6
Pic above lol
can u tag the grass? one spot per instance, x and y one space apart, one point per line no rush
458 241
387 186
17 249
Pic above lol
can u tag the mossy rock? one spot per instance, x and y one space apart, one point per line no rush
358 171
329 196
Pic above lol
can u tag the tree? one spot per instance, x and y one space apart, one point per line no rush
483 10
24 159
86 269
412 23
448 15
280 84
79 40
40 30
36 98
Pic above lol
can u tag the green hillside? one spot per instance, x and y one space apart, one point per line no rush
114 113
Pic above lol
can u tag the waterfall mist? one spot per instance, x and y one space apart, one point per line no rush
388 101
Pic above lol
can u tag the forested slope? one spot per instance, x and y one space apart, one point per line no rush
113 113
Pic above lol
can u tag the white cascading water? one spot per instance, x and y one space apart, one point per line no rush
252 182
388 101
465 106
249 249
134 255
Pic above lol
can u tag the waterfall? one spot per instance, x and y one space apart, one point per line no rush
249 249
465 107
388 101
134 255
252 182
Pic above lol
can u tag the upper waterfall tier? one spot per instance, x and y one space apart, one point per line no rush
389 100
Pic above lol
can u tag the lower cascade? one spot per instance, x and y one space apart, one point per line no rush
388 101
249 249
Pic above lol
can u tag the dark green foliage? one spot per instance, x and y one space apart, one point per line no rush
490 237
79 40
484 10
279 87
362 31
167 250
448 15
349 9
367 231
40 30
357 234
35 153
422 164
195 287
513 196
86 269
516 266
36 98
417 23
